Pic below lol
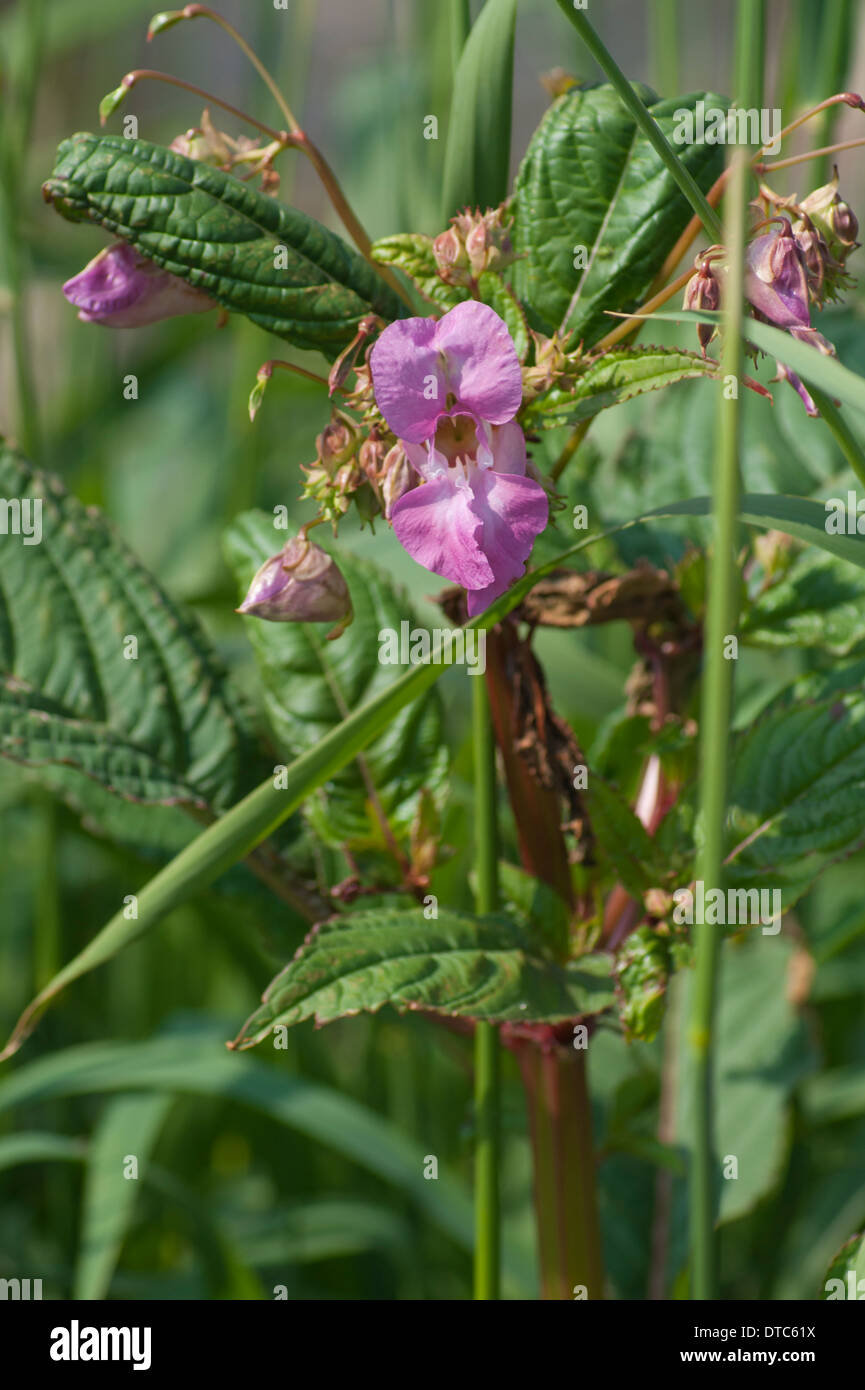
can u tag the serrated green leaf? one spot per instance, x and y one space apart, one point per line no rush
797 793
536 906
309 684
477 153
616 376
161 726
622 838
818 603
590 179
458 965
815 368
222 235
412 253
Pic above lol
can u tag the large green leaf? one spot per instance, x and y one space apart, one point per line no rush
222 236
455 964
819 602
797 792
160 725
478 147
763 1052
309 685
591 180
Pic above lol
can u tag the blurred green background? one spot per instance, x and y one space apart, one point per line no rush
303 1168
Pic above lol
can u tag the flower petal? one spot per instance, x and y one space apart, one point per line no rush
122 289
509 449
513 510
408 378
483 368
435 523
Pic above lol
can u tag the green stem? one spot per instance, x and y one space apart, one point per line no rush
487 1256
643 118
722 617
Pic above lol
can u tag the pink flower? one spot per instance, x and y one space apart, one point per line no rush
776 285
449 389
122 289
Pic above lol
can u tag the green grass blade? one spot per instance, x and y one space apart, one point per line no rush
128 1128
478 150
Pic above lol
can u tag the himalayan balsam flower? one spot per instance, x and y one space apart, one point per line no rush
122 289
302 584
449 390
776 284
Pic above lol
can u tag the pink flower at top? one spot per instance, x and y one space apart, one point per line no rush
449 389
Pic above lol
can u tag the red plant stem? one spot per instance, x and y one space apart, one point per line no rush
560 1122
536 809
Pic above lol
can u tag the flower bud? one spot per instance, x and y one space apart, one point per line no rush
775 280
372 454
337 442
549 364
302 584
451 258
815 254
835 218
844 223
703 291
122 289
397 478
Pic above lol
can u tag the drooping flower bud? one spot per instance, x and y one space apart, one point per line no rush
302 584
120 288
703 291
844 223
835 218
816 255
775 280
373 452
338 442
397 478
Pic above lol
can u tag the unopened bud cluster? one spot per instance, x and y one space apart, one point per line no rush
474 242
